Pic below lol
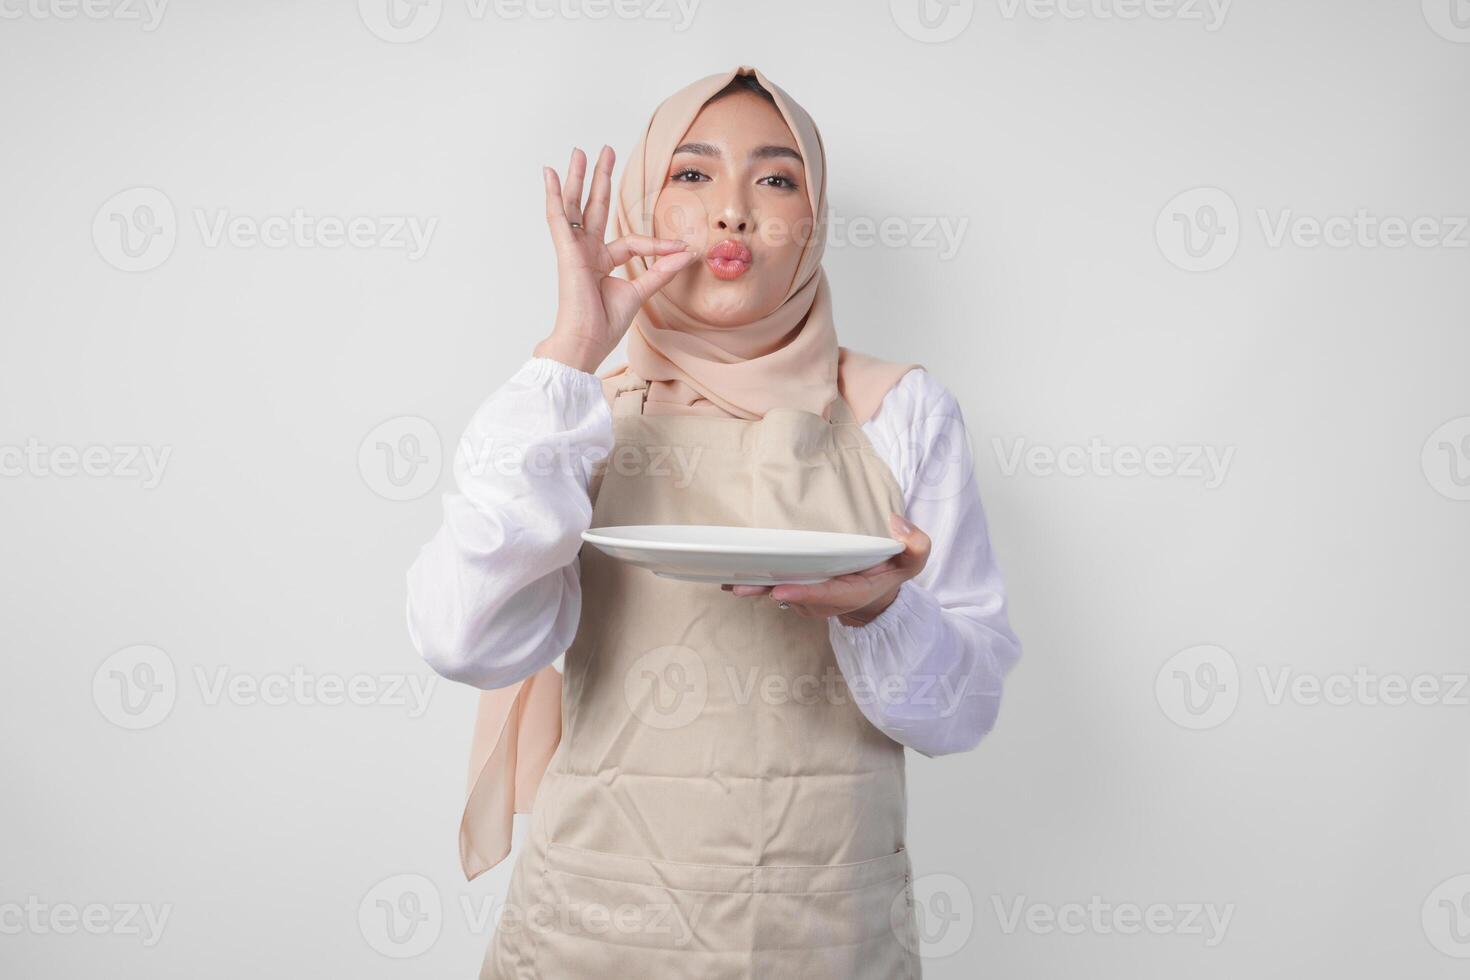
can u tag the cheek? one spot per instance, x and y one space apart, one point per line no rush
680 214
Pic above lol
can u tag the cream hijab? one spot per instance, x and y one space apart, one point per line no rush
787 359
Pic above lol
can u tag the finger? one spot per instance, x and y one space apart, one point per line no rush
749 590
630 245
556 215
571 195
916 545
595 215
660 274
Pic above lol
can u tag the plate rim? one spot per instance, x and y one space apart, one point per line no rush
880 546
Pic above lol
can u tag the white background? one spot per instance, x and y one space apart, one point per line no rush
1059 141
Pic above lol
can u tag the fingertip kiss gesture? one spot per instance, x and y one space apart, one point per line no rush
594 307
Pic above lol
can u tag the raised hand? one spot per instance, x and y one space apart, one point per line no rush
594 308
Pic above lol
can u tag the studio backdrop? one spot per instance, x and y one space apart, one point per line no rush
1195 271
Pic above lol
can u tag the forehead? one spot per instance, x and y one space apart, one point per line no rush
739 120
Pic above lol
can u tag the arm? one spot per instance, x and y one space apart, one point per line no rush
495 596
937 655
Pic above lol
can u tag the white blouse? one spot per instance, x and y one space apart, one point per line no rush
495 595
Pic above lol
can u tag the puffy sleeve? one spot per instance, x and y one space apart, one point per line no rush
932 665
495 595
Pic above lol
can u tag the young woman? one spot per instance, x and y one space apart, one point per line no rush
718 788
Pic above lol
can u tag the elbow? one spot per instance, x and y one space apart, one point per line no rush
447 652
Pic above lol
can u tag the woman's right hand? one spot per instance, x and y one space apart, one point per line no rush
594 308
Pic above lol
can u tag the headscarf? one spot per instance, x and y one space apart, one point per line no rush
788 358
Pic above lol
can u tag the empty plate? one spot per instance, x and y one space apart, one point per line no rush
741 555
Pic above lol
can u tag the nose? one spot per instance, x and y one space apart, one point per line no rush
730 221
733 213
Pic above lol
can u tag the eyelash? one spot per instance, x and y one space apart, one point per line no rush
689 175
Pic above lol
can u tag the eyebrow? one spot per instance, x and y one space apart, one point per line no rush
759 153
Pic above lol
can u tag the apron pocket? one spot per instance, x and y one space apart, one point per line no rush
616 912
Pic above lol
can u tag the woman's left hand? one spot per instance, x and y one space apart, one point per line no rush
859 598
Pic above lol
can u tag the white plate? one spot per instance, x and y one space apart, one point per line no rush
741 555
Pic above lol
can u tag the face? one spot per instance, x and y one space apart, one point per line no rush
736 191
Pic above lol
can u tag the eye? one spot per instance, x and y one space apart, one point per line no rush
688 175
778 180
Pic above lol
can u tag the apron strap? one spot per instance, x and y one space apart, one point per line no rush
840 412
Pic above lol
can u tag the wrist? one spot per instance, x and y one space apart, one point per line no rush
573 353
870 612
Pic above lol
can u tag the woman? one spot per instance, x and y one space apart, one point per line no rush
718 790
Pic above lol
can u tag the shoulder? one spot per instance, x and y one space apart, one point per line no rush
866 381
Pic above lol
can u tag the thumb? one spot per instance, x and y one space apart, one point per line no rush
916 543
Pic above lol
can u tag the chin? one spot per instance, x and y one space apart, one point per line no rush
729 304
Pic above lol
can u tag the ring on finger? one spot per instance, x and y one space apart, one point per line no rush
575 224
783 604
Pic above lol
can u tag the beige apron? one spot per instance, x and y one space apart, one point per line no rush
718 806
